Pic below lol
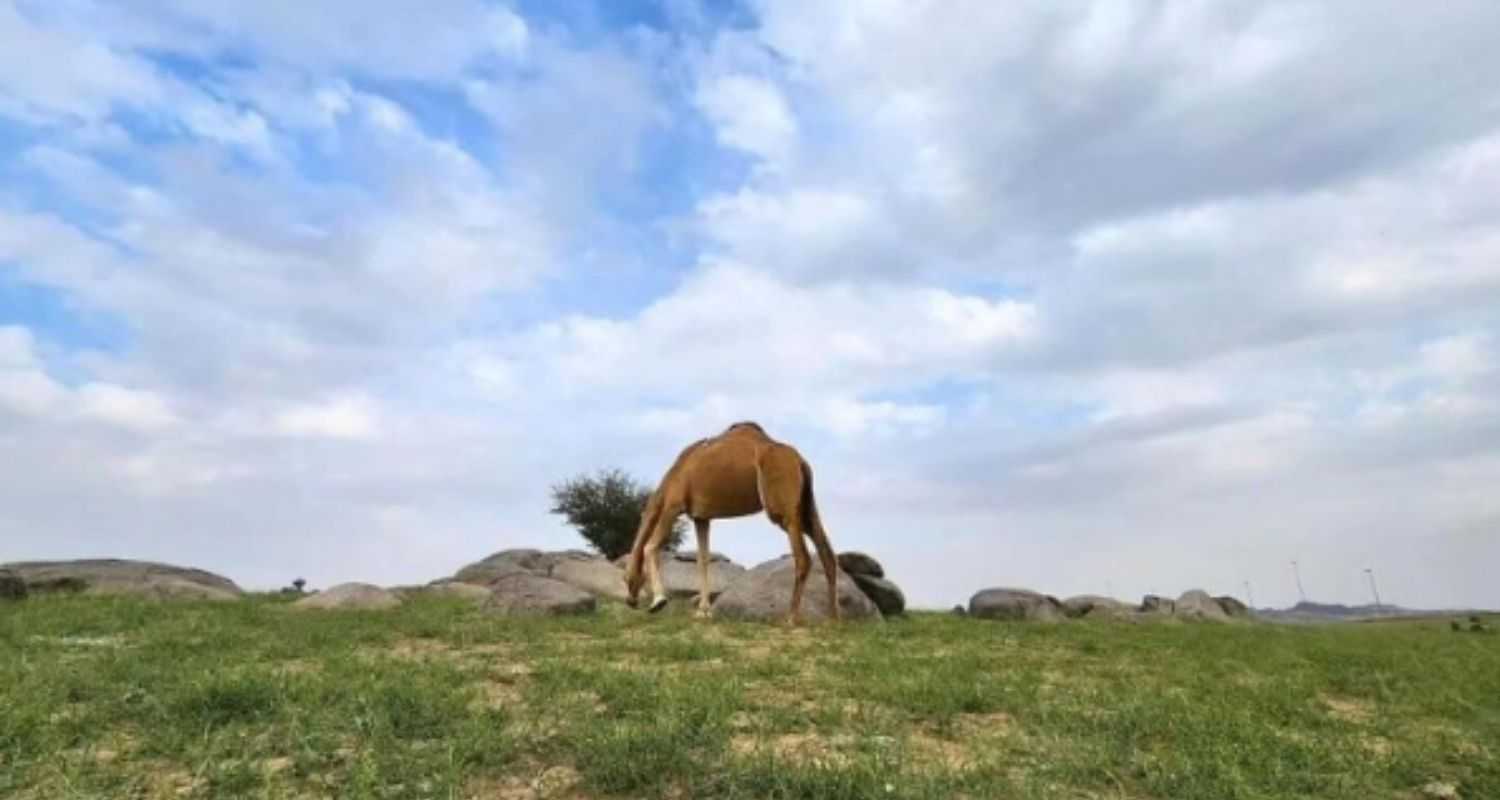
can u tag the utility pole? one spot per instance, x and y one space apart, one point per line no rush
1249 595
1370 573
1297 573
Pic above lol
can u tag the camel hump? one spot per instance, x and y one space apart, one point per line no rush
746 425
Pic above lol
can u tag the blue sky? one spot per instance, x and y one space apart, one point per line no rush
1134 295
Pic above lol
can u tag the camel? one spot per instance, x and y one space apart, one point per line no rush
735 474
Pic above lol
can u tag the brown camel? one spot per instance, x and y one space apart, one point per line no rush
735 474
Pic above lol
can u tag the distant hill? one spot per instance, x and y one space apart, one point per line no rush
1309 611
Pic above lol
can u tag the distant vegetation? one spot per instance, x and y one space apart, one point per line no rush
606 510
119 697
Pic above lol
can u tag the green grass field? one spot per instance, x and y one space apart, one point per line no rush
118 698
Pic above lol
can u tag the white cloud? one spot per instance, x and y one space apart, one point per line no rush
351 416
751 115
135 409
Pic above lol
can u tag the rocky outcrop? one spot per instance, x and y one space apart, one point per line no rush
857 563
1155 604
765 593
1233 607
12 587
358 596
1095 606
457 590
111 576
591 574
885 594
680 575
1198 605
505 562
1015 604
520 594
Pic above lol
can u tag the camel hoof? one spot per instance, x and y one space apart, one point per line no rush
703 613
658 604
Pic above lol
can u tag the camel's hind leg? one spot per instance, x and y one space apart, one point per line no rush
701 526
779 471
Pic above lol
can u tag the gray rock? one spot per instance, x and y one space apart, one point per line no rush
593 575
1155 604
521 594
12 587
1093 605
362 596
886 595
691 556
857 563
959 611
505 562
1016 604
1198 604
458 590
765 593
161 587
681 577
120 576
1233 607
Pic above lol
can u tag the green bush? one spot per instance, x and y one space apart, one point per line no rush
606 509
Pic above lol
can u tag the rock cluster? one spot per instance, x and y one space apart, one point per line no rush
761 593
118 577
1024 604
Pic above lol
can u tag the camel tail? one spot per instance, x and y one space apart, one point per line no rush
811 522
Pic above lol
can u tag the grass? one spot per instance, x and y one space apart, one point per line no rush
118 698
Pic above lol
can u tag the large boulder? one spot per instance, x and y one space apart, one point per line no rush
1198 604
12 587
680 576
521 594
120 576
765 593
363 596
1015 604
1093 605
1156 604
505 562
857 563
591 574
1233 607
458 590
886 595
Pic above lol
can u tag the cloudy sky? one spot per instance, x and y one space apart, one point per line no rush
1082 297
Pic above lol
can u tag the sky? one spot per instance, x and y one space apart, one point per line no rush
1090 297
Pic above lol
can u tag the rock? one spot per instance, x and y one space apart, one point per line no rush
458 590
959 611
522 594
12 587
1093 605
593 575
1154 604
1197 604
350 596
1233 607
765 593
857 563
886 595
681 577
161 587
505 562
120 576
1020 604
691 556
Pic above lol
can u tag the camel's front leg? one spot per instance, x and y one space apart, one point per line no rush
653 558
704 609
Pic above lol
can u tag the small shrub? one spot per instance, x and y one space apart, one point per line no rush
606 509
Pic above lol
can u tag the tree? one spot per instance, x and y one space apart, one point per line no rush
606 510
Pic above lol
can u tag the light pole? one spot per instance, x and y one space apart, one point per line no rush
1370 573
1297 573
1249 595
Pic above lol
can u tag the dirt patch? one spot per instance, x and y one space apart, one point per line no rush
930 750
1348 709
805 749
533 783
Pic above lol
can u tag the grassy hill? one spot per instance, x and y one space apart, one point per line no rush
117 698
